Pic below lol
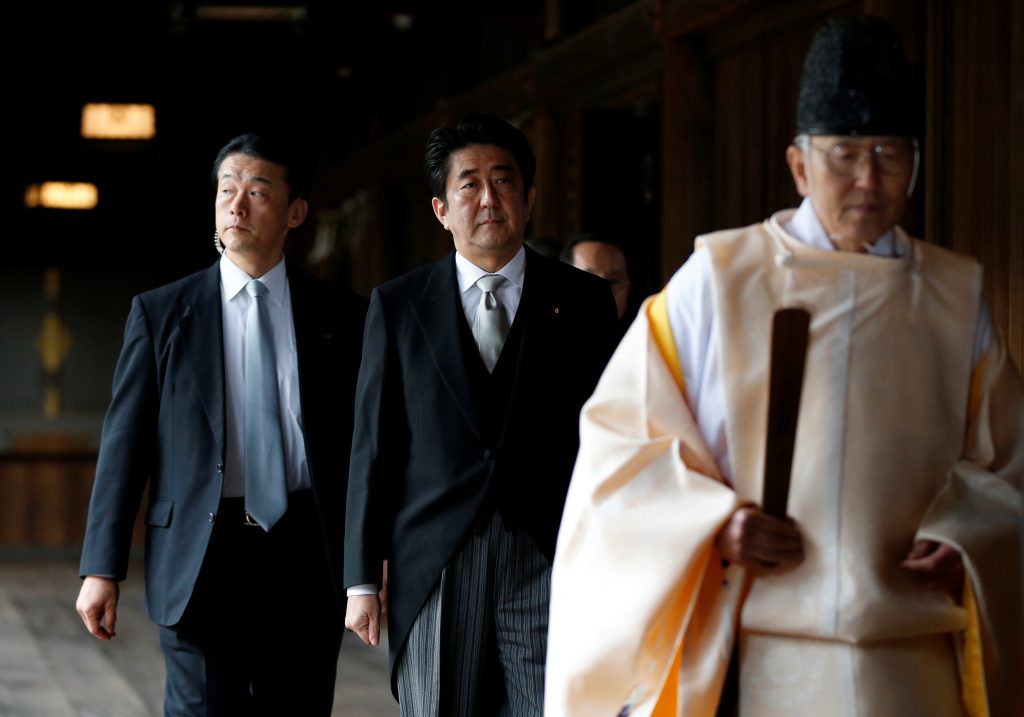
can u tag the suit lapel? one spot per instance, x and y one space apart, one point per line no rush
438 311
203 336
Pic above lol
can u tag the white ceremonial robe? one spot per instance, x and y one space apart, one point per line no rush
901 437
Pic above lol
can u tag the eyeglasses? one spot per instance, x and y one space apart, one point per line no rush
844 158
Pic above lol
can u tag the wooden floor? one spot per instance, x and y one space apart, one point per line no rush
51 667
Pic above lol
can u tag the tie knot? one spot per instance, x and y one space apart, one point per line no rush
490 282
256 288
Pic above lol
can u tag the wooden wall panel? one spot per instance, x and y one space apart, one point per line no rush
44 500
974 158
1015 190
687 121
756 62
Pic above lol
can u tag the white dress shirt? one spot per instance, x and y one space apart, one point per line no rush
234 304
509 293
691 315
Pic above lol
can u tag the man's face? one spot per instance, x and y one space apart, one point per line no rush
608 262
486 210
253 214
857 185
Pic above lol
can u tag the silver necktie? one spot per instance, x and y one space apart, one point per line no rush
266 493
491 324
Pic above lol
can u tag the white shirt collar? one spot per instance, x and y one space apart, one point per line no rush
806 227
468 272
234 279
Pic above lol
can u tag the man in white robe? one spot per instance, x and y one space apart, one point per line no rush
894 587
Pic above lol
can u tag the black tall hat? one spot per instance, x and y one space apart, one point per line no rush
856 81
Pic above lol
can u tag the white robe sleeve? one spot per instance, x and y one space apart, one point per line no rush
643 508
980 511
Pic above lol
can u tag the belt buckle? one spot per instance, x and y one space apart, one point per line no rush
249 521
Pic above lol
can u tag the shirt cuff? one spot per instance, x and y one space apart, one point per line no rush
364 589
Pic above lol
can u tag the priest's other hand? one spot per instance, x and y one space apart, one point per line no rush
938 565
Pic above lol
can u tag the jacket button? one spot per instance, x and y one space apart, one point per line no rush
487 454
213 517
220 467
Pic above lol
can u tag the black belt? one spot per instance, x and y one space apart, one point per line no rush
233 509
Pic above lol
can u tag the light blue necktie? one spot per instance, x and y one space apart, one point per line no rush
490 327
266 493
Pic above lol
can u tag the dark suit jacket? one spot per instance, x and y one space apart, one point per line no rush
166 424
422 469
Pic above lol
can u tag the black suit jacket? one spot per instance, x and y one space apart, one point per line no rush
422 467
166 424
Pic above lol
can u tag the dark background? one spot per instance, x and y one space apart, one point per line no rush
338 77
653 121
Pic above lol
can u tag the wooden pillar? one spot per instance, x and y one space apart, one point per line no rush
555 138
974 158
1015 188
687 136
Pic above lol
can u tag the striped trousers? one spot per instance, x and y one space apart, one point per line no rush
477 646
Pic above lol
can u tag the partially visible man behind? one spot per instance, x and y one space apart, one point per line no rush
232 400
466 435
895 586
604 259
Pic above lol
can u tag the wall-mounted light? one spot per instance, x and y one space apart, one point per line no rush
251 13
62 195
118 121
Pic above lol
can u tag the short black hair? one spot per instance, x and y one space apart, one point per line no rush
568 254
298 171
471 130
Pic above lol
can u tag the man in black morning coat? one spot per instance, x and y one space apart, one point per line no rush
462 454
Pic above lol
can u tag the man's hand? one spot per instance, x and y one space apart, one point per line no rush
97 605
938 565
362 616
759 541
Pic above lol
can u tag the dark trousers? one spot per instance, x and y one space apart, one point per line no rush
477 646
262 631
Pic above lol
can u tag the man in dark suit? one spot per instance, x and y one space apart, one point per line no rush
473 374
598 255
233 399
